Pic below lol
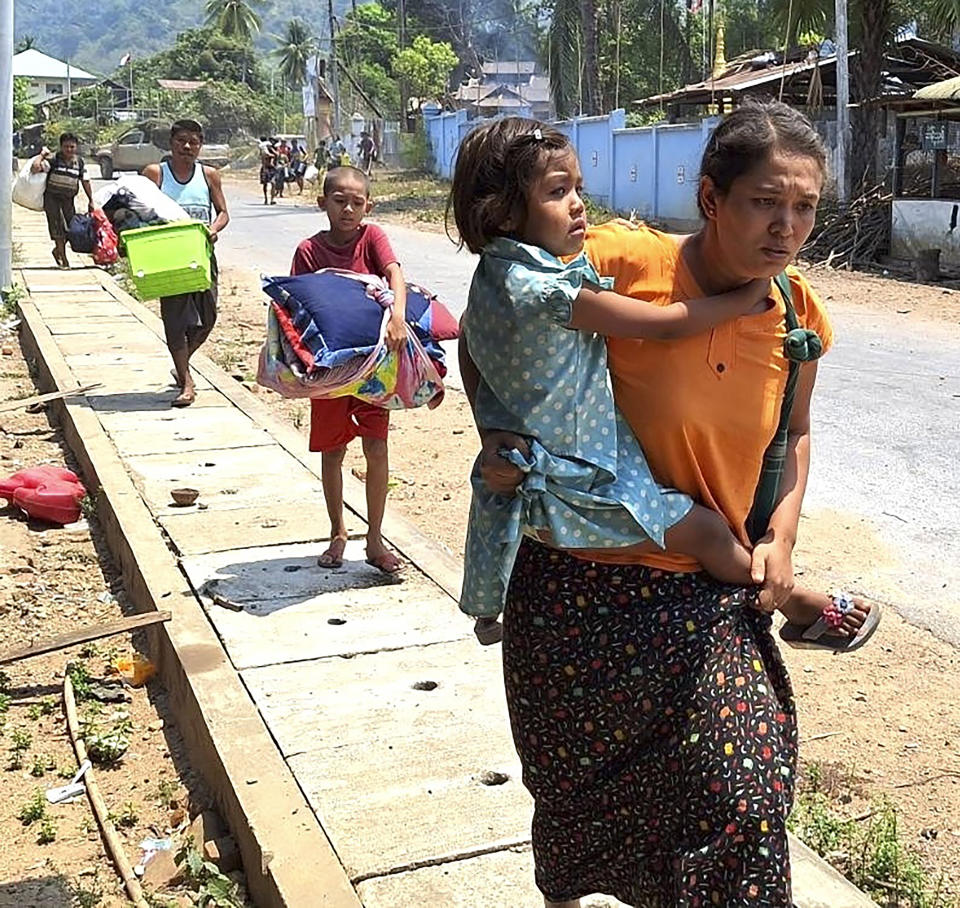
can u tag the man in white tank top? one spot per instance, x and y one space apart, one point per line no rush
189 318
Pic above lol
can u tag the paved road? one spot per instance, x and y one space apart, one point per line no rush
887 416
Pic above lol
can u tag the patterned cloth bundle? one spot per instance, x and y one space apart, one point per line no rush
326 338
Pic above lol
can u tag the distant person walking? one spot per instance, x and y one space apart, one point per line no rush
188 318
367 150
65 174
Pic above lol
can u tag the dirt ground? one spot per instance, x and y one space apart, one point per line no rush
53 580
886 719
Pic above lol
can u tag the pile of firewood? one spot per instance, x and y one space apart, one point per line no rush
856 235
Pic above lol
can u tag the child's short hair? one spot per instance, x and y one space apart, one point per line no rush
335 174
496 165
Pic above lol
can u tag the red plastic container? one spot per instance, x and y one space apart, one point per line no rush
46 492
33 477
55 502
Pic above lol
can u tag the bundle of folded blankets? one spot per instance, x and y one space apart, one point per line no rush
326 338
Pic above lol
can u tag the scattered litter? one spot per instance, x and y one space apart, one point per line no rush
150 847
210 590
106 596
492 777
107 692
136 670
64 794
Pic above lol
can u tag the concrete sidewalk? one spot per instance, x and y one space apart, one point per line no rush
367 701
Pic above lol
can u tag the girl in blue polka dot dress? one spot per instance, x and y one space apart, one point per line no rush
535 327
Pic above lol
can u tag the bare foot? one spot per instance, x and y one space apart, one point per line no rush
333 556
380 557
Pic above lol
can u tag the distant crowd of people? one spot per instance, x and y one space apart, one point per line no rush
284 162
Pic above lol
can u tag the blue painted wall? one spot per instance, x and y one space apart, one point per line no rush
651 171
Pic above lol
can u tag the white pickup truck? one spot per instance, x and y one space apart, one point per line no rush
149 143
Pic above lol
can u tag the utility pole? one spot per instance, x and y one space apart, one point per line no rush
401 44
843 101
6 143
334 81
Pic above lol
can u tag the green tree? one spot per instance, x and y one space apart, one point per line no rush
229 107
23 112
235 18
564 50
369 35
426 65
297 45
366 46
203 54
25 43
872 27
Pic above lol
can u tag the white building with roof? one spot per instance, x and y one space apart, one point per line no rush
47 76
507 87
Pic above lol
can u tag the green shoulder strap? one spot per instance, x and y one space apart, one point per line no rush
799 346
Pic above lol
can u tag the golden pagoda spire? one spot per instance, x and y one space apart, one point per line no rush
720 58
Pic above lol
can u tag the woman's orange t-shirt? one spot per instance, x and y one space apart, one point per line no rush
704 408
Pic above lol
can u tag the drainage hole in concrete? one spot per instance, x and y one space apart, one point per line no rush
425 685
291 568
336 621
491 777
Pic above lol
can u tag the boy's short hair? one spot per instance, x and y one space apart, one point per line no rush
69 137
335 174
186 125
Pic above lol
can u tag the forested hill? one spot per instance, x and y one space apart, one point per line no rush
95 35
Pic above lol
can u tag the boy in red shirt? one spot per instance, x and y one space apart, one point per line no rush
364 248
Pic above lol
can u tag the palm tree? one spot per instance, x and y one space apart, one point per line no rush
235 18
872 30
296 46
564 54
591 100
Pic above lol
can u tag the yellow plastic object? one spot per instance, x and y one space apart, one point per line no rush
136 670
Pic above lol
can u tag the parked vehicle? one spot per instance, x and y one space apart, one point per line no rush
28 141
149 143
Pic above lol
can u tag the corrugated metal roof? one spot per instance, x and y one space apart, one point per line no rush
32 64
742 78
947 90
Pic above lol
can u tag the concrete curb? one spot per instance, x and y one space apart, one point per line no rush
287 857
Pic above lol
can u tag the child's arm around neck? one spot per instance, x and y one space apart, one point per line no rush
614 315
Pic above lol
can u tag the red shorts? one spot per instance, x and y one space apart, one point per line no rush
336 422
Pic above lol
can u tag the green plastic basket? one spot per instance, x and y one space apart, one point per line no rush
169 259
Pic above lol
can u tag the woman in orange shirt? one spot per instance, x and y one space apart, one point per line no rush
649 703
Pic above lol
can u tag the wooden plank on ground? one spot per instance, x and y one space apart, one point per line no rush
85 634
42 398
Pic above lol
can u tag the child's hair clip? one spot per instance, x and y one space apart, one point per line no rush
538 135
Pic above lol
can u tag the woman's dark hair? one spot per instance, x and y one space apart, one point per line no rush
749 135
496 166
68 137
